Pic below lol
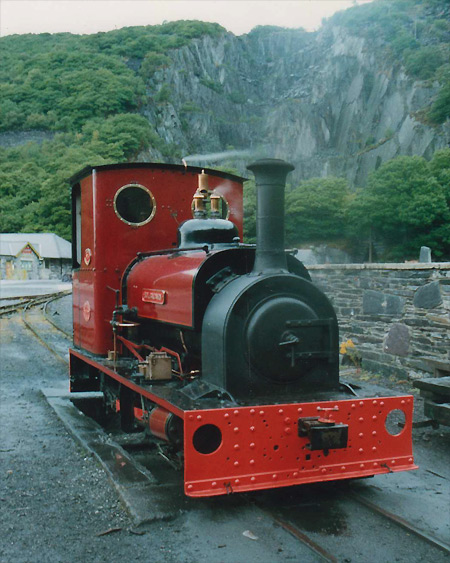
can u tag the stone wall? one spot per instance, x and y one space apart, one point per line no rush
397 315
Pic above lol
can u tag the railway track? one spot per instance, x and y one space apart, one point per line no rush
13 304
36 319
333 521
344 525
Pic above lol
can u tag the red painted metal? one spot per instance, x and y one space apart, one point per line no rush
134 386
260 447
157 422
173 275
108 244
133 348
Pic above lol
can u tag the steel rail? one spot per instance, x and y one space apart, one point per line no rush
25 297
297 533
39 301
50 320
11 308
408 526
314 546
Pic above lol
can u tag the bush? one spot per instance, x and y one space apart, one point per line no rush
424 62
440 109
163 94
212 85
237 97
153 62
190 107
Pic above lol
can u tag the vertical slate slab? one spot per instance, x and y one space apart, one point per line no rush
397 340
379 303
425 254
372 302
428 296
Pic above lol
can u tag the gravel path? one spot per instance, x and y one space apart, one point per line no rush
55 501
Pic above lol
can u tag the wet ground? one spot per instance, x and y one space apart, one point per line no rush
56 501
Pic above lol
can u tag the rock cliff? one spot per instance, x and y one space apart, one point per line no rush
328 101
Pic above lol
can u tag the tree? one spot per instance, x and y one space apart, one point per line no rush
440 109
406 206
250 211
121 136
316 210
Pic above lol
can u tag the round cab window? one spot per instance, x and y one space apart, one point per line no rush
134 204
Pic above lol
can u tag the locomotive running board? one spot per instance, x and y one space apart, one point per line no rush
237 449
250 448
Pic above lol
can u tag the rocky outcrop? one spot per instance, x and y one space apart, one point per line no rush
327 101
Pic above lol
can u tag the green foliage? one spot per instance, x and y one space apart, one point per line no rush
34 193
60 81
212 85
264 30
190 107
440 108
402 42
237 97
406 204
440 169
316 210
163 94
250 211
153 62
61 90
124 135
424 62
83 88
136 42
384 18
415 33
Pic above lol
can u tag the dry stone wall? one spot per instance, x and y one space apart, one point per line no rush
397 315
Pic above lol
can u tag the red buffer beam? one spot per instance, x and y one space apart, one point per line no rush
250 448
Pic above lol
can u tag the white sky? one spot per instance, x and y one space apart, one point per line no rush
90 16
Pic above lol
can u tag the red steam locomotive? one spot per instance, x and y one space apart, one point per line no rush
226 352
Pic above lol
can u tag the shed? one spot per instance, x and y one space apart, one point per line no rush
34 256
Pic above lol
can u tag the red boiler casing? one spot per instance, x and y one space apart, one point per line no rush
161 287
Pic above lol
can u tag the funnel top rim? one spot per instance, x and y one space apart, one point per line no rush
272 162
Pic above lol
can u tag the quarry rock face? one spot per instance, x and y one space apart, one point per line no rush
329 102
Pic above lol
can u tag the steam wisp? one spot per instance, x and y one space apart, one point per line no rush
217 156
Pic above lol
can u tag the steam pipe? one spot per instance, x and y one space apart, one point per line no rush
270 176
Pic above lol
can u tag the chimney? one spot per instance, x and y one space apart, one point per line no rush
270 176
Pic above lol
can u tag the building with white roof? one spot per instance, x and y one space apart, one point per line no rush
34 256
